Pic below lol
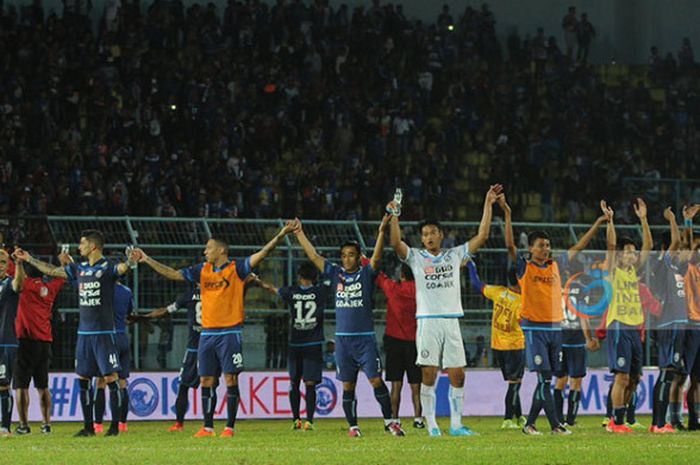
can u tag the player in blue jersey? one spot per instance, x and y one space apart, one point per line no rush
9 299
190 301
356 345
668 285
96 352
306 302
123 308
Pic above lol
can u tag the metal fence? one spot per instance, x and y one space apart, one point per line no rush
179 242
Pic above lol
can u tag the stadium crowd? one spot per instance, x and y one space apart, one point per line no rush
264 109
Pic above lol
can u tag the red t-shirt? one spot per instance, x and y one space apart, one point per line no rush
400 307
34 309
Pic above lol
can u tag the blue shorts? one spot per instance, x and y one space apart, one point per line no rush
692 349
96 355
624 349
511 362
355 353
543 350
189 375
124 351
8 354
573 362
220 352
670 345
306 362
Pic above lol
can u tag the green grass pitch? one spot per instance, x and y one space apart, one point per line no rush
273 442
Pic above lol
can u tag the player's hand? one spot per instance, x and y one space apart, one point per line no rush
607 211
669 215
299 229
492 194
136 318
690 212
138 255
601 219
501 199
385 221
390 207
289 227
640 208
593 345
65 259
21 255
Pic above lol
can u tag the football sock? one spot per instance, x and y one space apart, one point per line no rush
233 396
574 401
427 402
350 407
456 396
98 402
181 403
310 402
294 399
86 403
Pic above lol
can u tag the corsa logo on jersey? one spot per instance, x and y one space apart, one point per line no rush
216 284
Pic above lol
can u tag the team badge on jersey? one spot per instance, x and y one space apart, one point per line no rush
44 291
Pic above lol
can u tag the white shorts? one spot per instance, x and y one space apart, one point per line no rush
439 343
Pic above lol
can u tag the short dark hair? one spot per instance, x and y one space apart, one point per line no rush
308 271
625 240
354 244
95 236
536 234
221 241
407 272
429 222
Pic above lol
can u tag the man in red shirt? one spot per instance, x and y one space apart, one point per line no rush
33 327
400 339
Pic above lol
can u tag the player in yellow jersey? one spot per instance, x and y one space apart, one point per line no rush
507 340
624 312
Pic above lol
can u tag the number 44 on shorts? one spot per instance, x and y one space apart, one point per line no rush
238 360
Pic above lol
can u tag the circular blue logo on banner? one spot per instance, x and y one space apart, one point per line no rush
143 397
326 396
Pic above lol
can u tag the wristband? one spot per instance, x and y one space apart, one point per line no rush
688 223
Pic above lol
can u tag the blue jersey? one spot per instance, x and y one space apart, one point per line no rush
192 302
668 285
123 306
95 285
306 305
353 299
8 312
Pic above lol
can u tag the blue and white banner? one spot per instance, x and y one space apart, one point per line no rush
265 395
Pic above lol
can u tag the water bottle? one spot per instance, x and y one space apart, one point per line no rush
398 196
128 251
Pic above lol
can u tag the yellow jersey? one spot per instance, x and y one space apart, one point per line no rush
506 333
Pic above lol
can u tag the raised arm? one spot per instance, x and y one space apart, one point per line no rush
309 248
611 238
688 214
586 238
476 242
675 232
163 270
379 246
640 208
18 280
289 227
47 269
510 241
474 277
399 246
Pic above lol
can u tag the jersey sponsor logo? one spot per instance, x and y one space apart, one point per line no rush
223 283
44 291
98 273
439 277
349 296
90 294
143 397
545 279
326 396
